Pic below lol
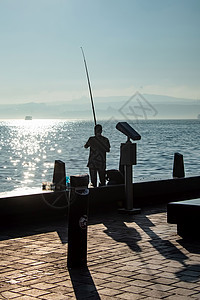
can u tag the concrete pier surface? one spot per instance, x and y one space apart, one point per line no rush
129 257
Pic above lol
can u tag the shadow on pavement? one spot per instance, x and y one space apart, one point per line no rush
120 232
164 247
23 227
188 273
191 273
83 284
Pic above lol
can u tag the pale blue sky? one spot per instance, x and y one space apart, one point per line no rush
151 46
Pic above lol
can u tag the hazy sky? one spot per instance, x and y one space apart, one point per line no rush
151 46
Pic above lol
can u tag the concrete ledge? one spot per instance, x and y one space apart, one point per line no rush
33 203
186 214
103 198
187 211
174 189
147 193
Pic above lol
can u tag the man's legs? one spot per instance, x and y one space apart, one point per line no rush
102 177
93 177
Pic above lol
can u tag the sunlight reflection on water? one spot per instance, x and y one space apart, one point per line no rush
29 149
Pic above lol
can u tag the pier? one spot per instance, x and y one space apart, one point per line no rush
129 257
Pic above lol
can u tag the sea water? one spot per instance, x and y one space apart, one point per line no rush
29 148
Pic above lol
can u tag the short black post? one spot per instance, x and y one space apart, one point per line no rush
59 175
178 168
77 221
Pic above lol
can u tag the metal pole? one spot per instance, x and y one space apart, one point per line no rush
129 186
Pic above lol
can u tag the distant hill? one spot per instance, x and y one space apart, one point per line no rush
138 106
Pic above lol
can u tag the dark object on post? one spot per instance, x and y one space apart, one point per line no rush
77 221
128 154
59 175
126 129
114 177
178 168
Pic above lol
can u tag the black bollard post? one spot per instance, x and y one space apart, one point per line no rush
59 175
178 168
77 221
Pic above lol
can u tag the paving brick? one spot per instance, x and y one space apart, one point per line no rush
9 295
123 273
4 286
149 271
184 292
114 285
115 278
61 289
20 289
141 283
179 297
188 285
25 298
104 269
43 285
157 294
144 277
101 275
134 289
167 275
33 292
54 296
109 292
131 296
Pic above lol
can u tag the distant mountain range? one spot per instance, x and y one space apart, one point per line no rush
138 106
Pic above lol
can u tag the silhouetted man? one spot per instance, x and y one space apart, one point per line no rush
99 145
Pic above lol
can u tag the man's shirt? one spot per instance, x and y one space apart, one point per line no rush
99 145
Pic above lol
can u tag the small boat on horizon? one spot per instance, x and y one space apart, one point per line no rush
28 118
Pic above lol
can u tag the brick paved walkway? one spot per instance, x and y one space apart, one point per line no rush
129 257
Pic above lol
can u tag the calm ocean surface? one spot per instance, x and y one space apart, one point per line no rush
29 148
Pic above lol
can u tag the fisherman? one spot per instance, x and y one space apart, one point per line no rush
99 145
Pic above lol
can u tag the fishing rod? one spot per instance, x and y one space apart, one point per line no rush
90 90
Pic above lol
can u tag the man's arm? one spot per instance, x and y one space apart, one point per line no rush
108 146
87 145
